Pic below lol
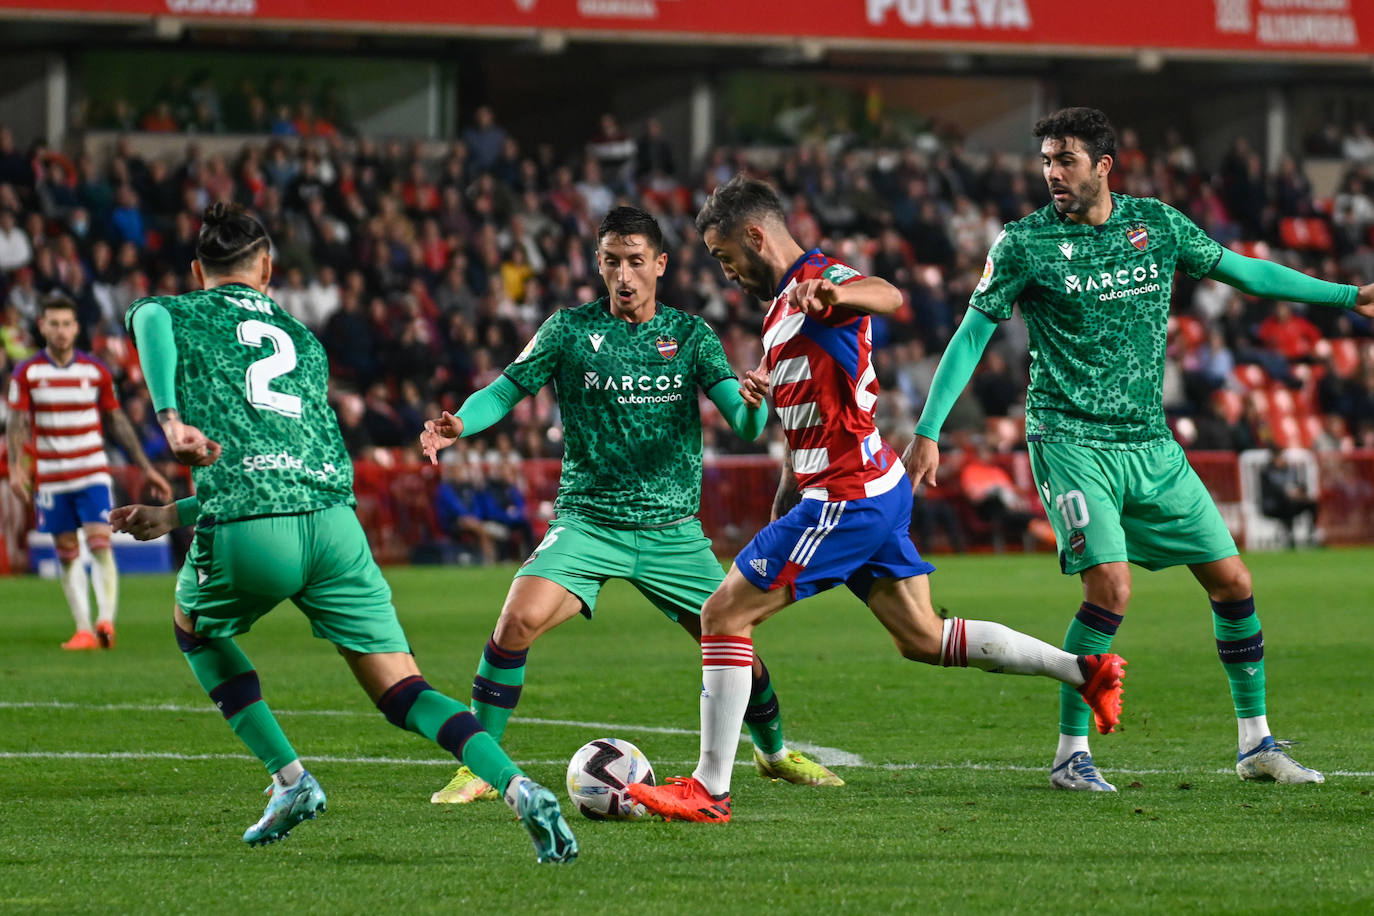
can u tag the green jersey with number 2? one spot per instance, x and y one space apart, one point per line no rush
256 380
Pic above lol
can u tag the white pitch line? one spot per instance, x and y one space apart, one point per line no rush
408 761
831 756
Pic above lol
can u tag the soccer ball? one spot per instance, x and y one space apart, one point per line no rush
598 774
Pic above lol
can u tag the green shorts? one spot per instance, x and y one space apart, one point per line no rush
1144 505
237 571
673 567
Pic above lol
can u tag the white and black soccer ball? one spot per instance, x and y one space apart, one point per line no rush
598 775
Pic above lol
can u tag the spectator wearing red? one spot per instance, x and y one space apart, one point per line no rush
1289 333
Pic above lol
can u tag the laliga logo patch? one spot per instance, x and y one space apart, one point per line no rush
1138 236
529 348
667 347
987 276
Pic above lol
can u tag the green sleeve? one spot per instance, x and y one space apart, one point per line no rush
188 510
151 325
746 421
1198 252
1257 277
955 369
488 405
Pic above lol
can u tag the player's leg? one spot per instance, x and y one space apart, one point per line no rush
393 681
562 577
57 516
234 573
1080 488
728 620
676 569
1240 645
94 506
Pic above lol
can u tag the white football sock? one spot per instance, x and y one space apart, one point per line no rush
992 647
1252 730
1070 745
105 578
74 587
726 679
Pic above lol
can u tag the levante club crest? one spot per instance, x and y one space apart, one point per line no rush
667 347
1139 236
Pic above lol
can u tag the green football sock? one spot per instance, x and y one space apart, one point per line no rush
496 688
1240 644
762 716
1090 632
227 675
453 727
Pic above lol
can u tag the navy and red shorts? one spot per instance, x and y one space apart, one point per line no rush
820 544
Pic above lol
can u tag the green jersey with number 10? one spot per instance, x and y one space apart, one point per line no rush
1096 304
255 380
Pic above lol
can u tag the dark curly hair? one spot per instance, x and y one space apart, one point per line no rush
1089 125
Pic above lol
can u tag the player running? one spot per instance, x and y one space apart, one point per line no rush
240 388
1092 273
62 392
850 526
626 370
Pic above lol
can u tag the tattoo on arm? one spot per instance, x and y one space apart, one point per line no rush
17 434
124 434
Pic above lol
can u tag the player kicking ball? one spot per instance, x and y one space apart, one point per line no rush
627 371
240 388
1093 273
850 526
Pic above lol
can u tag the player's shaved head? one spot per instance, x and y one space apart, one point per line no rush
738 202
1089 125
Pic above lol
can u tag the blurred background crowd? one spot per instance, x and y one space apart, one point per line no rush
425 266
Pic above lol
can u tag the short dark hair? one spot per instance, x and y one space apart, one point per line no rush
229 236
738 201
623 221
1089 125
57 302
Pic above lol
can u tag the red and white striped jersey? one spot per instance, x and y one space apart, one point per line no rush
826 392
65 404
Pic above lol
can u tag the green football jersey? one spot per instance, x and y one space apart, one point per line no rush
1095 300
628 398
256 380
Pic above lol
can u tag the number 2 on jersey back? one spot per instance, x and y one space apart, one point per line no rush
258 378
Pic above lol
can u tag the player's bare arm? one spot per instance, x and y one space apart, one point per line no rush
873 295
439 434
123 432
921 460
18 434
188 444
787 495
144 522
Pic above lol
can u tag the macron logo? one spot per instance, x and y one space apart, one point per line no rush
1066 249
759 565
596 341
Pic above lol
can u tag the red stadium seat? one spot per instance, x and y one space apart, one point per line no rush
1251 376
1345 356
1305 234
1228 404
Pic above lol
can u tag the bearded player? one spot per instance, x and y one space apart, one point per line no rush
1092 273
626 370
850 526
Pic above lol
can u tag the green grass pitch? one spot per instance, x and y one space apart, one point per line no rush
123 791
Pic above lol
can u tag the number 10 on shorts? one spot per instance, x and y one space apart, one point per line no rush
1074 508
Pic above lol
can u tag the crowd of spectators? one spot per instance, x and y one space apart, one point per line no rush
424 267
